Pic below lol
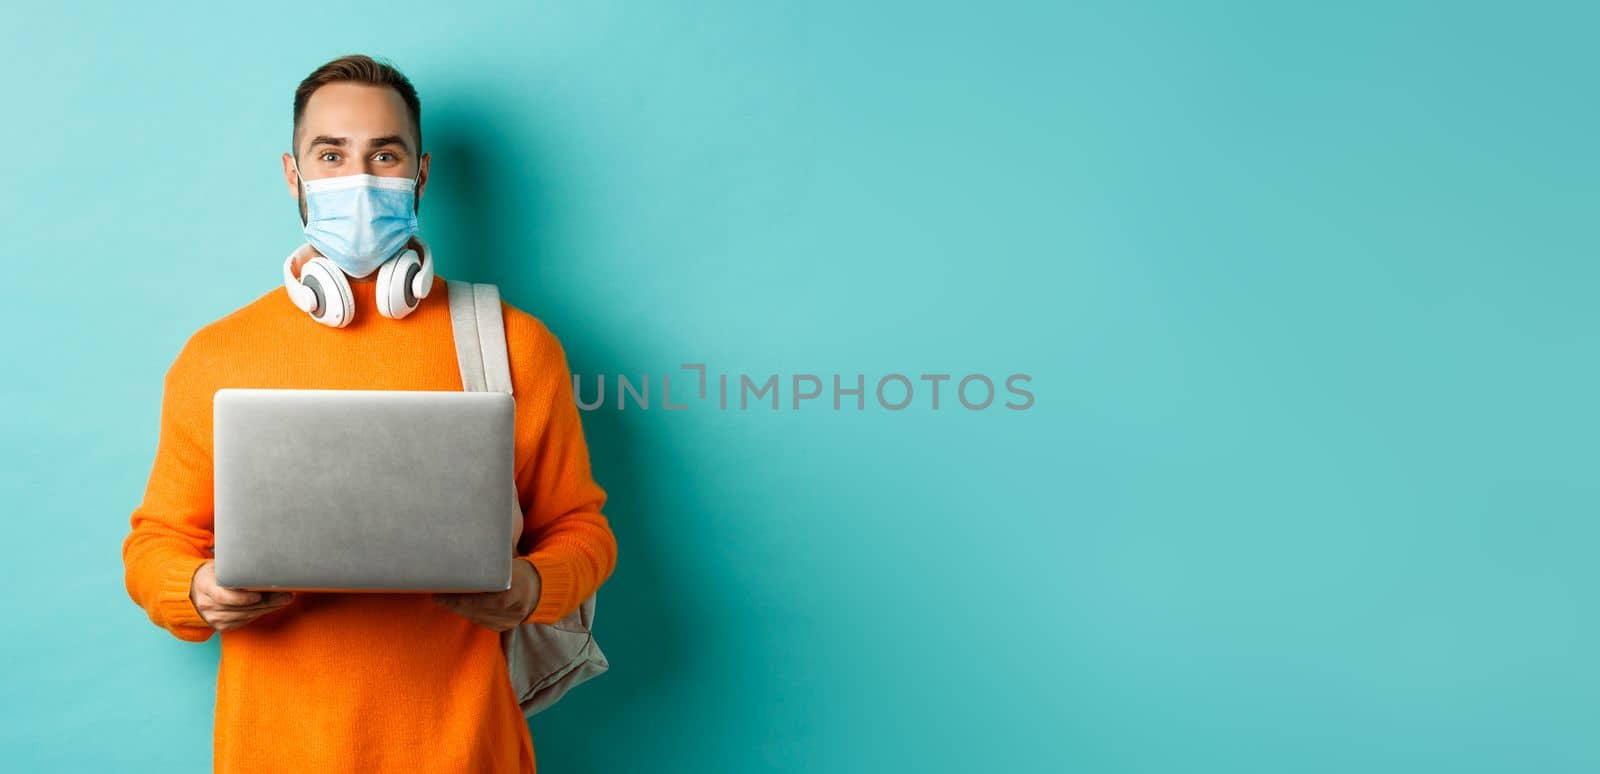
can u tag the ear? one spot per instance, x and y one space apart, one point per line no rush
422 173
290 178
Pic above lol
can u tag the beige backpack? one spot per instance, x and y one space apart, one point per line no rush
545 660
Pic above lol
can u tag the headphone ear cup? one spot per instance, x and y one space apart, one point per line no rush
396 296
335 304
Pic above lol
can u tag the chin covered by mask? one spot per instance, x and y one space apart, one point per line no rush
360 221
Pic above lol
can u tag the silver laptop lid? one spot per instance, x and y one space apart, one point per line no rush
363 490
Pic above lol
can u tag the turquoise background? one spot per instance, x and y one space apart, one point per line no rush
1307 295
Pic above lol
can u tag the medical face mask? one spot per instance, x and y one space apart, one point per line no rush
360 221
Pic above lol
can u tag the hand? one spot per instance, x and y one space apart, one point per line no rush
499 610
226 608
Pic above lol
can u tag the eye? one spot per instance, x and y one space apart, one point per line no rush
386 153
325 154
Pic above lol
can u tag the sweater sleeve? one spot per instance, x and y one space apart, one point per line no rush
171 534
565 536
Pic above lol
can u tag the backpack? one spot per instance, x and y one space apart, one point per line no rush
544 660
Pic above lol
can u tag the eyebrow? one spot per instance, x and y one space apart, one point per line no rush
376 142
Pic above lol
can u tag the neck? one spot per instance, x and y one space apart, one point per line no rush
356 282
372 279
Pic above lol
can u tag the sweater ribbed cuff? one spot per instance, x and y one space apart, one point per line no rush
557 587
176 607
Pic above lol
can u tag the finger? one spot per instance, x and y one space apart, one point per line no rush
273 609
267 602
245 609
491 602
268 606
252 611
236 616
469 601
234 597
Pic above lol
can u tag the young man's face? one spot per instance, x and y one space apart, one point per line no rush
352 129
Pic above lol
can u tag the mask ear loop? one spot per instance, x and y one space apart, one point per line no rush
300 183
416 195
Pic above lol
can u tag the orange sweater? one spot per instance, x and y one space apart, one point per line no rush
365 682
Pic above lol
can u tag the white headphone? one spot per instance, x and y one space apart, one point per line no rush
322 290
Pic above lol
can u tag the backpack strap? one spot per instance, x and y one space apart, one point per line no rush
544 661
480 336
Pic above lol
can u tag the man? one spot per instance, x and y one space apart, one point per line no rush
364 682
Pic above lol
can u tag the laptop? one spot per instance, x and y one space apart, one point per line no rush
363 490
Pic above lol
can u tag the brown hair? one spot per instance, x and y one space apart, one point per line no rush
361 69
